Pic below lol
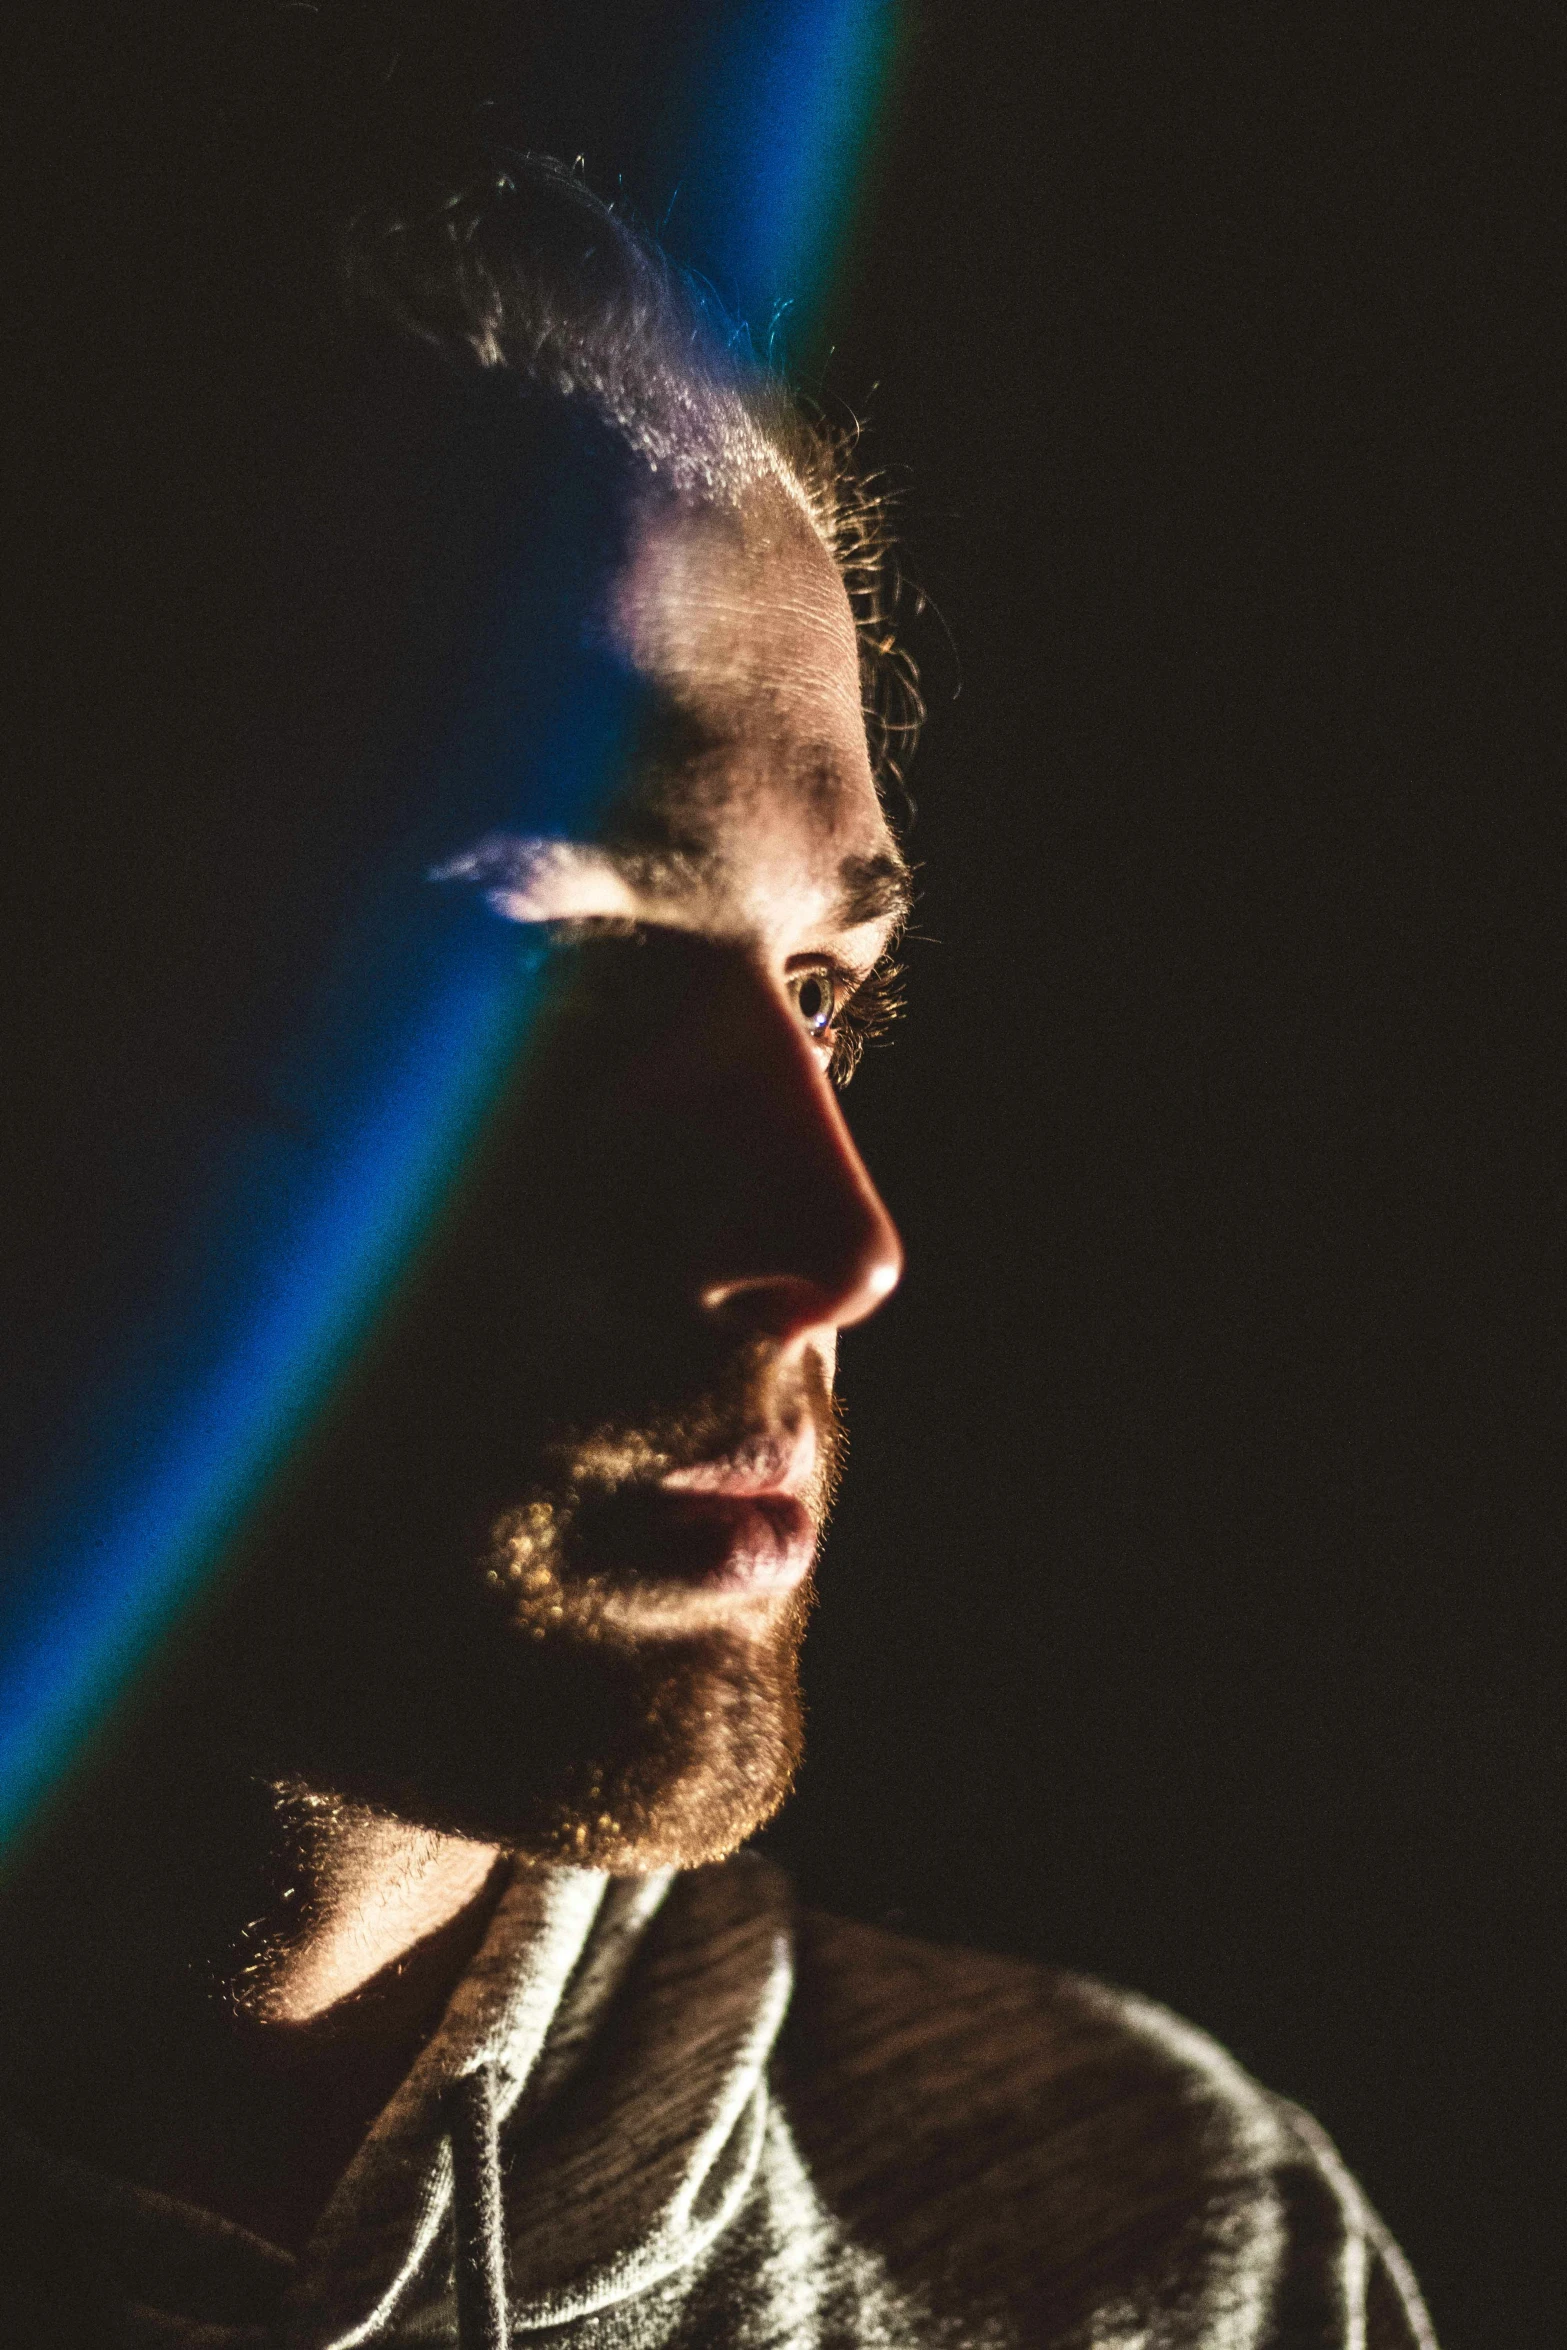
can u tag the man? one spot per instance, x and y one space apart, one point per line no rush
391 1970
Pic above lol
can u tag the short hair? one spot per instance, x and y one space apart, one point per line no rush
515 264
265 229
282 356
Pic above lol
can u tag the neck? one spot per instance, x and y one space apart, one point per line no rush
353 1933
212 1986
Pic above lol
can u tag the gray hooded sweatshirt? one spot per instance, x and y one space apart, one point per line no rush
673 2112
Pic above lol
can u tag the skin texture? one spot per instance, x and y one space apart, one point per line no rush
520 1622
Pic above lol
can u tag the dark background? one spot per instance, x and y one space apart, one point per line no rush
1189 1617
1190 1614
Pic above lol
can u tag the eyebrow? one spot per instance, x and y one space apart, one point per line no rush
876 888
661 854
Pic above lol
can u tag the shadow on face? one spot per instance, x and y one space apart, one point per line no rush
542 1573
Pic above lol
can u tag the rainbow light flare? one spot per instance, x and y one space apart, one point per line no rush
309 1261
311 1244
787 103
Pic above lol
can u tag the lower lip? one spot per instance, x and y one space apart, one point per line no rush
714 1542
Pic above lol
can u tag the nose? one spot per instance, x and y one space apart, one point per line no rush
792 1235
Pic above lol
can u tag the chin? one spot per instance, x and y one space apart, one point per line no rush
577 1749
705 1757
654 1821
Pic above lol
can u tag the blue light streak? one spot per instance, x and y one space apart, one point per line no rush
786 108
323 1236
304 1247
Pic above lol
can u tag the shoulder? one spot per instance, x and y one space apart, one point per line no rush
1076 2159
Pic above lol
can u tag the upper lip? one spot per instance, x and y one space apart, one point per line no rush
772 1461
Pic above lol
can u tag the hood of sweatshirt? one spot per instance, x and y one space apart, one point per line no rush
587 2119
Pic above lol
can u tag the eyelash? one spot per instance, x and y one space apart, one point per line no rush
864 1007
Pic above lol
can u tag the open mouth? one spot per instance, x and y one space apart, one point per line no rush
714 1540
626 1533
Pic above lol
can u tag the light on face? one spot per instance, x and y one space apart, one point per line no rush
123 1539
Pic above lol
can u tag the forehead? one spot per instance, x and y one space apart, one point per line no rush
744 801
739 615
750 763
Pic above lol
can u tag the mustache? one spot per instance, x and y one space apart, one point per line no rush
754 1411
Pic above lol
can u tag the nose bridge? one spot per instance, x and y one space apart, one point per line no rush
804 1239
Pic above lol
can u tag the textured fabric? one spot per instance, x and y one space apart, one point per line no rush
717 2123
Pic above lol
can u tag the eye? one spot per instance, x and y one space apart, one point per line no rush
816 995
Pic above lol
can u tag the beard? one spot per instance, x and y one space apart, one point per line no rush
560 1687
700 1723
676 1749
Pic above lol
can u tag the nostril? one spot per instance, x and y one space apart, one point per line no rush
830 1297
778 1307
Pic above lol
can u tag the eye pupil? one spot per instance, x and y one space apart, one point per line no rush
815 999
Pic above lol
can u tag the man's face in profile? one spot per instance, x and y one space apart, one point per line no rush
544 1578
